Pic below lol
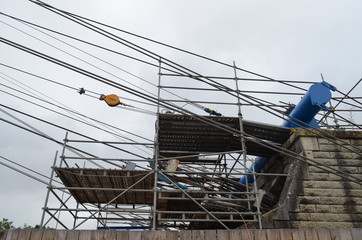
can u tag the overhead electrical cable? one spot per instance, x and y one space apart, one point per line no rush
93 64
154 65
348 121
29 169
76 114
39 133
86 72
133 91
78 17
84 61
345 96
189 101
58 11
349 104
77 89
47 79
30 175
256 140
348 176
37 76
115 38
24 173
102 80
130 45
124 42
73 119
71 148
86 42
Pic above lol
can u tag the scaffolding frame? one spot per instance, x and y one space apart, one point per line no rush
201 192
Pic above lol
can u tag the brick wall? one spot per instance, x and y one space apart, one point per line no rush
312 197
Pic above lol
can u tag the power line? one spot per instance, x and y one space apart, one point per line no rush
84 61
123 41
117 85
78 17
101 79
67 117
73 112
58 11
29 169
67 108
85 42
345 96
92 44
129 45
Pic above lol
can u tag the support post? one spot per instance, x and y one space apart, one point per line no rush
62 157
48 191
242 136
156 151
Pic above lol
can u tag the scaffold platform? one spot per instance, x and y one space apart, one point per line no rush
102 185
180 134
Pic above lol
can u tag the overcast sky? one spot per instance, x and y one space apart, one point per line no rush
280 39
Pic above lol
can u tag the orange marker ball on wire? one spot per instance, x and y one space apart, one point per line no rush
112 100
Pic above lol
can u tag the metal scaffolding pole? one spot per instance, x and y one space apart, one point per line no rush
48 191
62 157
156 151
242 136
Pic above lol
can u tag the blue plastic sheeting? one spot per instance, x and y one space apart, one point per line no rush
301 116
